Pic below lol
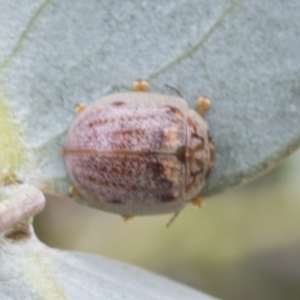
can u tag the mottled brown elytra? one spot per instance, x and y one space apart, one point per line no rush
139 153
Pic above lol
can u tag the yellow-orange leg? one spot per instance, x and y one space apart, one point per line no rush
127 218
198 202
140 86
203 105
73 192
79 108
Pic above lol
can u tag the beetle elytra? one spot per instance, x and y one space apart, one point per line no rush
139 153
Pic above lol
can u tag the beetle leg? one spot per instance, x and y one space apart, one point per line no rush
127 218
198 202
79 107
73 192
140 85
173 218
203 105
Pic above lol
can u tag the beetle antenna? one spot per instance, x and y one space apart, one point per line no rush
173 218
174 89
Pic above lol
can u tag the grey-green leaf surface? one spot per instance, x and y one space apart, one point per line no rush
244 55
30 270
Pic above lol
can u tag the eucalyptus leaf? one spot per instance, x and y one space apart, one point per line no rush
30 270
244 55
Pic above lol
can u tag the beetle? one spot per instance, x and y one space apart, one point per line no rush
139 153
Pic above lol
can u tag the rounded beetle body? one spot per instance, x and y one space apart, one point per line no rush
139 153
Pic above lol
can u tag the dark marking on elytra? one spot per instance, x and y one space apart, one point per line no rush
198 137
91 178
98 123
158 138
200 146
195 174
199 164
175 111
166 193
167 198
131 132
181 154
115 201
118 103
156 168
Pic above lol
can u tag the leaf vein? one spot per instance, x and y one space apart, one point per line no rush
198 45
24 34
